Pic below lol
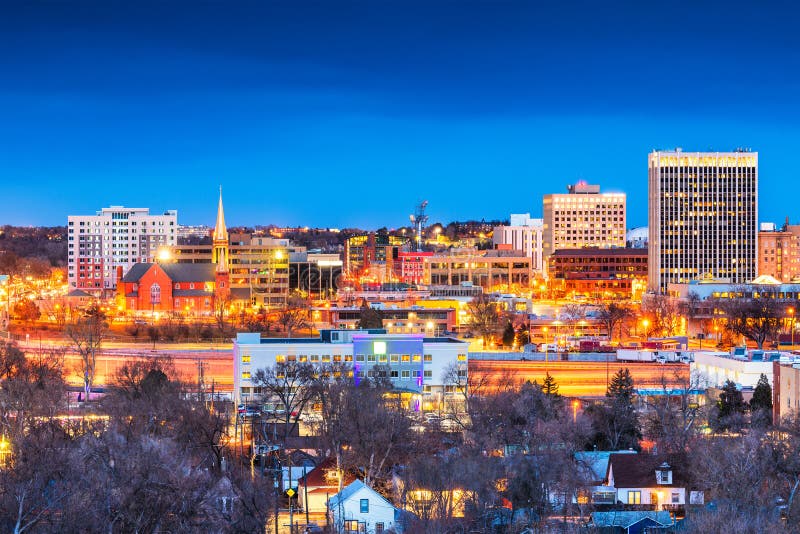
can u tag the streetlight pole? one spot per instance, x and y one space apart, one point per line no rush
791 324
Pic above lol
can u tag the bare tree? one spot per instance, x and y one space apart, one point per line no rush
484 317
674 418
664 312
289 386
87 334
757 318
612 314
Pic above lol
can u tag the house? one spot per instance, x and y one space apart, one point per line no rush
640 480
320 483
630 522
592 468
359 508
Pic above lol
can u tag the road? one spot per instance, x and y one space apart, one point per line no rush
576 379
217 362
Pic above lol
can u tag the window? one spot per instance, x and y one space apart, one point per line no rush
364 506
378 528
406 358
417 357
395 358
326 358
428 358
370 357
676 497
359 357
245 358
246 375
462 357
428 374
406 375
155 294
634 497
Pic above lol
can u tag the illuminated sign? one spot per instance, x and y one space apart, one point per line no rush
379 347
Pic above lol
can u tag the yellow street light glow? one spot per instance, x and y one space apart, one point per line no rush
164 254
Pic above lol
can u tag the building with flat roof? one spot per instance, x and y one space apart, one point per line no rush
523 234
114 237
779 251
702 217
599 273
416 365
583 217
490 269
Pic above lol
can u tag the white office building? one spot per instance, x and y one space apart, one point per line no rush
114 237
702 217
525 234
418 366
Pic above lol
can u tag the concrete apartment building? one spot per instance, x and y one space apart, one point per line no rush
779 251
114 237
525 234
702 217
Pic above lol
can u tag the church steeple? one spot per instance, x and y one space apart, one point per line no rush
220 239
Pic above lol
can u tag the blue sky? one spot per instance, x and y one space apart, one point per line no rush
349 113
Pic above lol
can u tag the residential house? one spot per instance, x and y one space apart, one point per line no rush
320 484
360 509
645 481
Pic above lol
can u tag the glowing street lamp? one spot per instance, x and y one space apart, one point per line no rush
791 323
575 405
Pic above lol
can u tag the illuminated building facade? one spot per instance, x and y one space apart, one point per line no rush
373 255
779 251
616 272
583 217
115 237
492 269
257 266
525 234
702 217
415 364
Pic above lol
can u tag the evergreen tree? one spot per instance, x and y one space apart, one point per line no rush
761 403
730 408
523 337
616 421
621 386
509 334
369 317
550 386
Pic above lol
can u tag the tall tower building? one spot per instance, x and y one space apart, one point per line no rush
583 217
702 217
115 236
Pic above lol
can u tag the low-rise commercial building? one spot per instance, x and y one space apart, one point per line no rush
418 367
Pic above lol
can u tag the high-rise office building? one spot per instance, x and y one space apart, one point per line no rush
702 213
115 236
584 217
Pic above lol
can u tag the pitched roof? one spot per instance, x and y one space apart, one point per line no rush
317 476
593 465
629 518
136 272
639 471
191 293
190 272
78 293
351 490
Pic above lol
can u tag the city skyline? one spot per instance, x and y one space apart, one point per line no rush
480 110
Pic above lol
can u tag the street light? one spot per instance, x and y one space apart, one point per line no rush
646 324
575 405
791 323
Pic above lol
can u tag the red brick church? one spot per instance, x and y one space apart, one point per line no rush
186 288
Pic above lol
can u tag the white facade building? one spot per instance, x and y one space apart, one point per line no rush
583 217
115 236
417 365
713 369
523 234
702 217
359 508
